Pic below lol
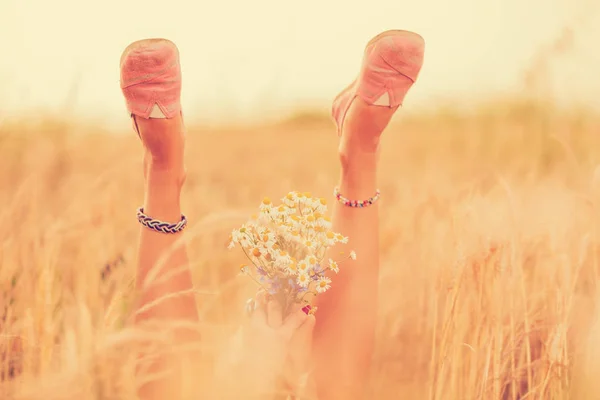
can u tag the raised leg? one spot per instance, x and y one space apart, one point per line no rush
151 83
345 329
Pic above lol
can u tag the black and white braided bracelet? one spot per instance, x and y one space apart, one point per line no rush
160 226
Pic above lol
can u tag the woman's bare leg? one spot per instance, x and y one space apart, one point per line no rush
345 330
163 277
164 178
150 68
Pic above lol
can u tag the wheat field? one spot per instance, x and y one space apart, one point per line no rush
490 248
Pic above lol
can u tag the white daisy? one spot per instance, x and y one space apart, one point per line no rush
311 244
329 238
266 237
303 279
282 259
320 205
323 284
291 268
238 234
303 267
266 206
341 238
334 266
290 199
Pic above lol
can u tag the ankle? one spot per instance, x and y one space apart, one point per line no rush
358 177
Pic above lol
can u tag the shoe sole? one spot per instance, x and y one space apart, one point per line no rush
393 32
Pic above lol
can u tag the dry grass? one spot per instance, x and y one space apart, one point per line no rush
490 249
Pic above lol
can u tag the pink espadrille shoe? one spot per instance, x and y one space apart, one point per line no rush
151 78
391 64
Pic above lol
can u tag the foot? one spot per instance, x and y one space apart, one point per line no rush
151 85
391 64
151 78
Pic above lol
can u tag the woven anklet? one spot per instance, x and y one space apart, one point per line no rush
356 203
160 226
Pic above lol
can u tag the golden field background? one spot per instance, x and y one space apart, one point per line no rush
490 248
490 226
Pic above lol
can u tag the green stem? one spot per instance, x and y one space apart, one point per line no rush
248 257
258 283
307 292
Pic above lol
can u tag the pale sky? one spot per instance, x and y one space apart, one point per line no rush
242 59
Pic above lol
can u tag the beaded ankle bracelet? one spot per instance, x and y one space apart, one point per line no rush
356 203
160 226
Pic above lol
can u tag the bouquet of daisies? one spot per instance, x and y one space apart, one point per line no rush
286 246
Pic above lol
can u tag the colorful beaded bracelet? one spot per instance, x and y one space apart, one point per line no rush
160 226
356 203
